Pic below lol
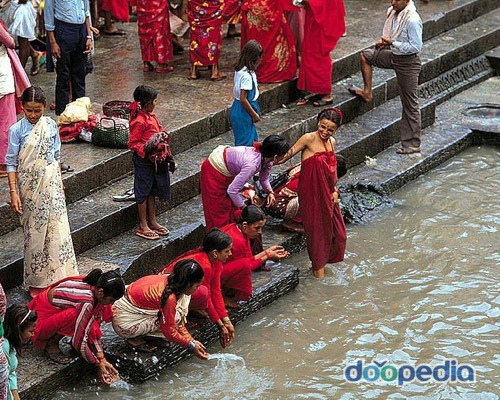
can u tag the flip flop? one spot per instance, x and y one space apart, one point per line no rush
162 231
58 358
147 235
408 150
219 77
118 32
127 196
148 68
302 102
143 347
322 103
66 168
164 70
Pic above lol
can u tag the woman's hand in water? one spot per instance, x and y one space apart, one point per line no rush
230 328
224 336
107 373
15 203
200 350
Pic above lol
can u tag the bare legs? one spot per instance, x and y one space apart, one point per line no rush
367 73
25 51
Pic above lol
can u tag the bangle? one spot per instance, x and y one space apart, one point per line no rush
225 320
89 37
192 346
267 252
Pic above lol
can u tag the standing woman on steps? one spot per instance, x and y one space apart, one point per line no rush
322 219
37 194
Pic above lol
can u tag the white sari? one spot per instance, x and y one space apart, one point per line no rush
48 249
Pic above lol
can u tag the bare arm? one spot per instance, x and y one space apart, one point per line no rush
299 145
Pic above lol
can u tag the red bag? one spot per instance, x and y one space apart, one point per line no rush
157 150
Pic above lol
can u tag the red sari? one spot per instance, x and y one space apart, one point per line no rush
117 8
232 12
324 25
265 21
205 20
323 223
210 286
153 26
237 271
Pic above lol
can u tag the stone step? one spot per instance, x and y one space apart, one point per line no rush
95 218
95 167
138 367
447 137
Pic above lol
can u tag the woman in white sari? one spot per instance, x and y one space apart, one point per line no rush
36 193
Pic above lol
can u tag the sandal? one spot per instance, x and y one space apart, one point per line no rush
127 196
302 101
322 103
164 70
148 67
58 358
66 168
219 77
161 230
150 235
408 150
143 347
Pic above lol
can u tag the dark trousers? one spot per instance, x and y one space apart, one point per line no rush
407 70
70 68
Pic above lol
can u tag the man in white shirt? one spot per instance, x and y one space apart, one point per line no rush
398 49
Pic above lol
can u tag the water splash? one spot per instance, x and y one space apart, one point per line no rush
227 360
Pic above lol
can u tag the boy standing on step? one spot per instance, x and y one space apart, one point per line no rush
398 49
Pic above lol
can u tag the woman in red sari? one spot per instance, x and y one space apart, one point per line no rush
205 21
324 226
214 252
324 25
76 306
237 271
155 37
265 21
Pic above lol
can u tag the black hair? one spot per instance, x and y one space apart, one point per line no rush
111 282
331 114
252 214
33 94
341 166
274 145
215 239
250 56
17 319
145 95
184 275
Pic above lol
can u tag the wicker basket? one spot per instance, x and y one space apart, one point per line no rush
114 107
109 133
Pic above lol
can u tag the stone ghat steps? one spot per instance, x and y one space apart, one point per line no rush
95 219
138 367
95 167
447 137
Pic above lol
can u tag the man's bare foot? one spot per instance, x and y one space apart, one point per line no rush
319 273
365 96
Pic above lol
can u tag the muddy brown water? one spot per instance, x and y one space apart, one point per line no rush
419 285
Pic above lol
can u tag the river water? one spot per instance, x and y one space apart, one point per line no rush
419 285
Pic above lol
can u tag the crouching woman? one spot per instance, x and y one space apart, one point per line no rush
75 307
155 308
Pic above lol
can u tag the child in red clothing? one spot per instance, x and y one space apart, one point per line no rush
150 180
